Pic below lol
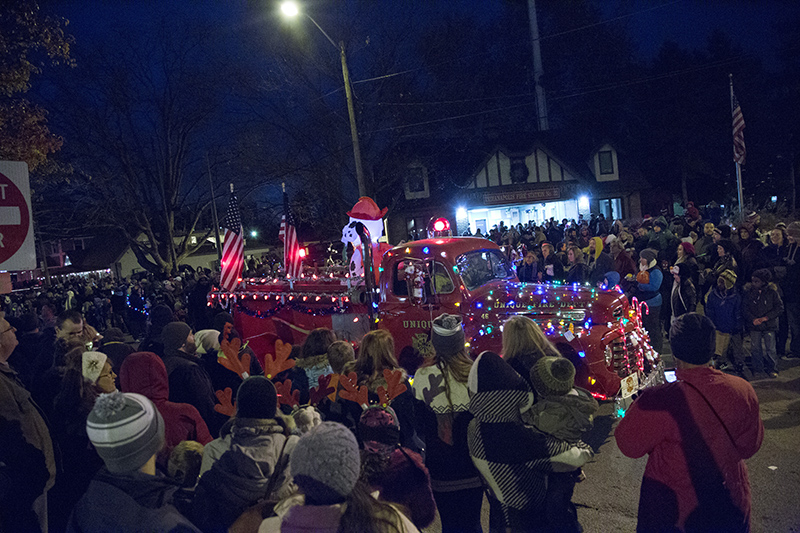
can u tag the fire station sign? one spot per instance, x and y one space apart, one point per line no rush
17 250
515 197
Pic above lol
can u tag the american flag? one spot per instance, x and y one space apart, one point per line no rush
739 151
291 248
233 249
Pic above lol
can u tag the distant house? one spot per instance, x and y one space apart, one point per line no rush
530 177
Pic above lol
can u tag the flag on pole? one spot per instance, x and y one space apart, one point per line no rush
292 259
233 249
739 151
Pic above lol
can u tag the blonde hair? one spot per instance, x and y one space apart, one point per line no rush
521 336
375 355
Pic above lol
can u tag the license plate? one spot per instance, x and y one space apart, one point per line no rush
629 386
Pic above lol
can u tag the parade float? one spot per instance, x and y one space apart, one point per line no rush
599 330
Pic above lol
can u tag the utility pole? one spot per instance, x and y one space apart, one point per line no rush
348 91
541 101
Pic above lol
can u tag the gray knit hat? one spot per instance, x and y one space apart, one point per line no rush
326 463
553 376
447 335
174 335
126 429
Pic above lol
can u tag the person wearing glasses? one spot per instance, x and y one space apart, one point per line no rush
27 462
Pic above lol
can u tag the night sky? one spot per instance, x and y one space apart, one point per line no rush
751 23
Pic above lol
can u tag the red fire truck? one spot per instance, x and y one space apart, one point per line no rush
599 330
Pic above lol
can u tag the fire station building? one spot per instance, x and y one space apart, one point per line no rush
515 181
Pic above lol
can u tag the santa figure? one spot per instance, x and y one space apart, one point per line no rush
365 211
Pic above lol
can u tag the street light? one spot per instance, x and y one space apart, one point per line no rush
290 9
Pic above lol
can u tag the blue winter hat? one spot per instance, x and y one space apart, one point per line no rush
613 278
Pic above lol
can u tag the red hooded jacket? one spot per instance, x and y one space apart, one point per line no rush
144 373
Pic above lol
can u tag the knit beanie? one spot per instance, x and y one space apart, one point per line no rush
553 376
256 398
726 245
379 428
729 278
174 335
92 365
763 274
688 248
126 430
160 316
447 335
649 254
793 230
613 279
207 340
693 338
326 464
724 231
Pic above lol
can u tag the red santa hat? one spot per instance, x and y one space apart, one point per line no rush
367 209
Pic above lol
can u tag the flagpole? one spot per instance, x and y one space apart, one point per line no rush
738 166
214 211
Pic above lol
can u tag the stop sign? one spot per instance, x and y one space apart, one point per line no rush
14 218
16 231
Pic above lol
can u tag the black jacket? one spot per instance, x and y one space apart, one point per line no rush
758 303
190 383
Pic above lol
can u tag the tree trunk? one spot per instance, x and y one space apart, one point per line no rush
793 178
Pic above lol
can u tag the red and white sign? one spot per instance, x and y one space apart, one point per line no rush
17 250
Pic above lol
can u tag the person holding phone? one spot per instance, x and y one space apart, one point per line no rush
697 432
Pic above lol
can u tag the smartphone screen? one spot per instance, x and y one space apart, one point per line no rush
669 375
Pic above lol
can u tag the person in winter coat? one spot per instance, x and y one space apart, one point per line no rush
774 252
600 261
752 252
159 317
686 254
791 286
684 295
127 495
761 308
88 374
513 459
724 308
704 247
256 464
697 431
440 386
623 262
113 345
26 452
524 343
188 380
550 267
221 377
647 289
375 355
566 412
325 466
528 269
578 271
396 473
144 373
313 361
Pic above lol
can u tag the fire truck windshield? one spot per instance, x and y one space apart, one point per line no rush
482 266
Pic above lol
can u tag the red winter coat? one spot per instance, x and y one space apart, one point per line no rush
695 478
144 373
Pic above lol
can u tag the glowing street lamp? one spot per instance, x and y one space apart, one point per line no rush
290 9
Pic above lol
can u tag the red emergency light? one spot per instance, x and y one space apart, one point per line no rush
439 227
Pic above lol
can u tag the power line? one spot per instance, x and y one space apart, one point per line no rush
557 34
